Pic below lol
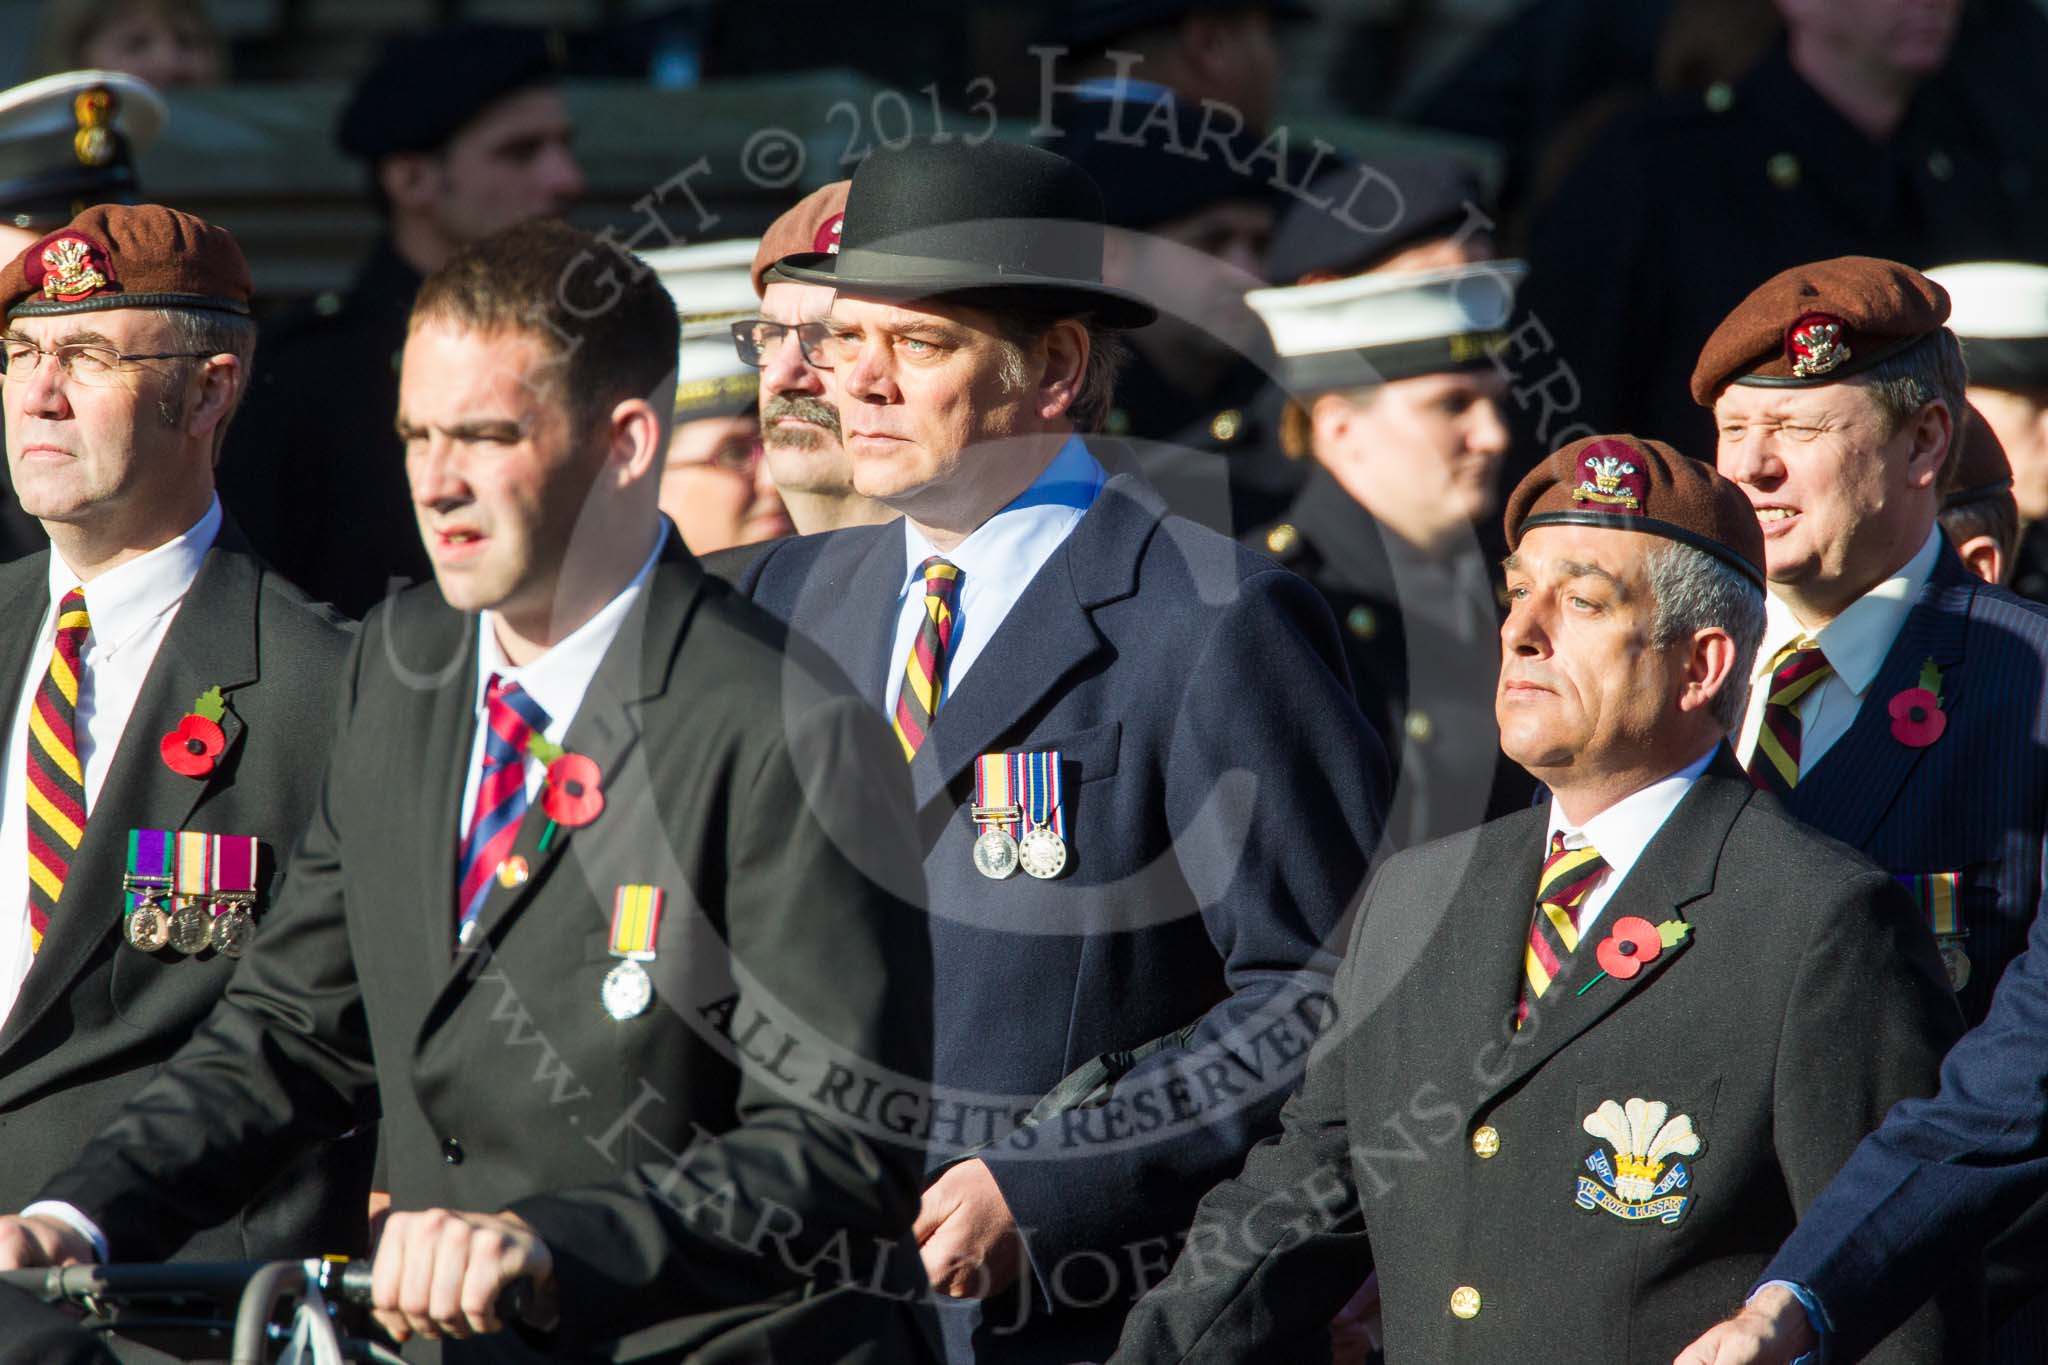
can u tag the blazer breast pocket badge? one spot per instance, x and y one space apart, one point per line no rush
1636 1176
1939 896
189 891
1020 815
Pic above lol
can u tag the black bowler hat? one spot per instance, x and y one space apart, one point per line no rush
926 222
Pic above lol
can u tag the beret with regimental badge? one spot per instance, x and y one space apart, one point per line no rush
812 226
128 256
1819 324
2000 310
1624 483
710 284
69 140
1371 329
1982 471
426 86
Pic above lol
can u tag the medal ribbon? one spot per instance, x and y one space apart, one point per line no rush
149 868
996 786
193 877
1936 893
636 920
1041 784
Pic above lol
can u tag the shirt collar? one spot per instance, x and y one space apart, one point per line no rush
1624 829
123 602
559 678
1064 490
1856 642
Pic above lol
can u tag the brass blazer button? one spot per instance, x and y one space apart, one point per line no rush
1464 1302
1486 1141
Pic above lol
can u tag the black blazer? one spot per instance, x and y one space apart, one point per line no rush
698 1199
1806 999
96 1017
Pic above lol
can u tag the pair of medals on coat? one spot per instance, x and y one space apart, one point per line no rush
1018 813
189 891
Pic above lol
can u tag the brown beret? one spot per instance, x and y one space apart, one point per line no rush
1982 470
1818 324
1622 483
812 226
128 256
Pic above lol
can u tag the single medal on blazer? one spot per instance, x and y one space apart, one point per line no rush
1042 852
1939 895
145 886
636 924
234 893
996 814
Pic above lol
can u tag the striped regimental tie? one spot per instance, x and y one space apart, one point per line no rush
512 718
924 671
1799 668
1568 876
56 779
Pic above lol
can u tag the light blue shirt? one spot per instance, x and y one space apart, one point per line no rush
997 560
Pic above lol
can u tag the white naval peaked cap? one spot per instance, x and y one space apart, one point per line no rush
2000 310
713 287
1388 325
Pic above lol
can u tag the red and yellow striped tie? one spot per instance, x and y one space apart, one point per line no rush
924 673
1568 876
56 779
1799 668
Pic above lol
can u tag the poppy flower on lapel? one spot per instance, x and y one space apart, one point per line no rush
1917 717
1632 945
572 796
195 746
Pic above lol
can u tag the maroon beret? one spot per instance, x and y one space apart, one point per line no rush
812 225
128 256
1982 470
1623 483
1818 324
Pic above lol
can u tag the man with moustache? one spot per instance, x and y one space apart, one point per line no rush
171 701
1548 1085
460 132
586 836
1145 797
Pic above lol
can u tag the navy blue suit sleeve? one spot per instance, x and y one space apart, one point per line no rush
1275 794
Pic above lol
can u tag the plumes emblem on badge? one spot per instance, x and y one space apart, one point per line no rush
1815 345
69 271
1610 478
1642 1135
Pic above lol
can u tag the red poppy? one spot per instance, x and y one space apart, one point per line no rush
572 797
190 750
1633 943
1917 717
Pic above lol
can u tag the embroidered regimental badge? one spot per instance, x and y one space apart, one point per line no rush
1634 1183
826 238
1815 345
1609 478
72 268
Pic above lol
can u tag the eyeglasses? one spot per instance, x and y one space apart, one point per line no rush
756 338
737 456
91 365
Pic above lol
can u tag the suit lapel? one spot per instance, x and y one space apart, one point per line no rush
1046 637
1676 869
211 643
1862 773
848 605
441 762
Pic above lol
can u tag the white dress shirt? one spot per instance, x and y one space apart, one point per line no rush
131 609
997 561
1623 831
1855 644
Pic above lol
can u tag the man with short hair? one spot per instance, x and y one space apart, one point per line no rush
1145 795
1978 514
578 912
462 133
170 710
1547 1084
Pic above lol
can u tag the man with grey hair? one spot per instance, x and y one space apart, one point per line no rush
171 705
1547 1085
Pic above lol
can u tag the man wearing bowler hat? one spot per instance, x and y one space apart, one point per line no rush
1547 1099
1145 795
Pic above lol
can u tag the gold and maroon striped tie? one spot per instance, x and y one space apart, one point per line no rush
924 673
1797 670
1568 876
56 779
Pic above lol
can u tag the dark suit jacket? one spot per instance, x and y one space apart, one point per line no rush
95 1017
697 1196
1222 796
1806 999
